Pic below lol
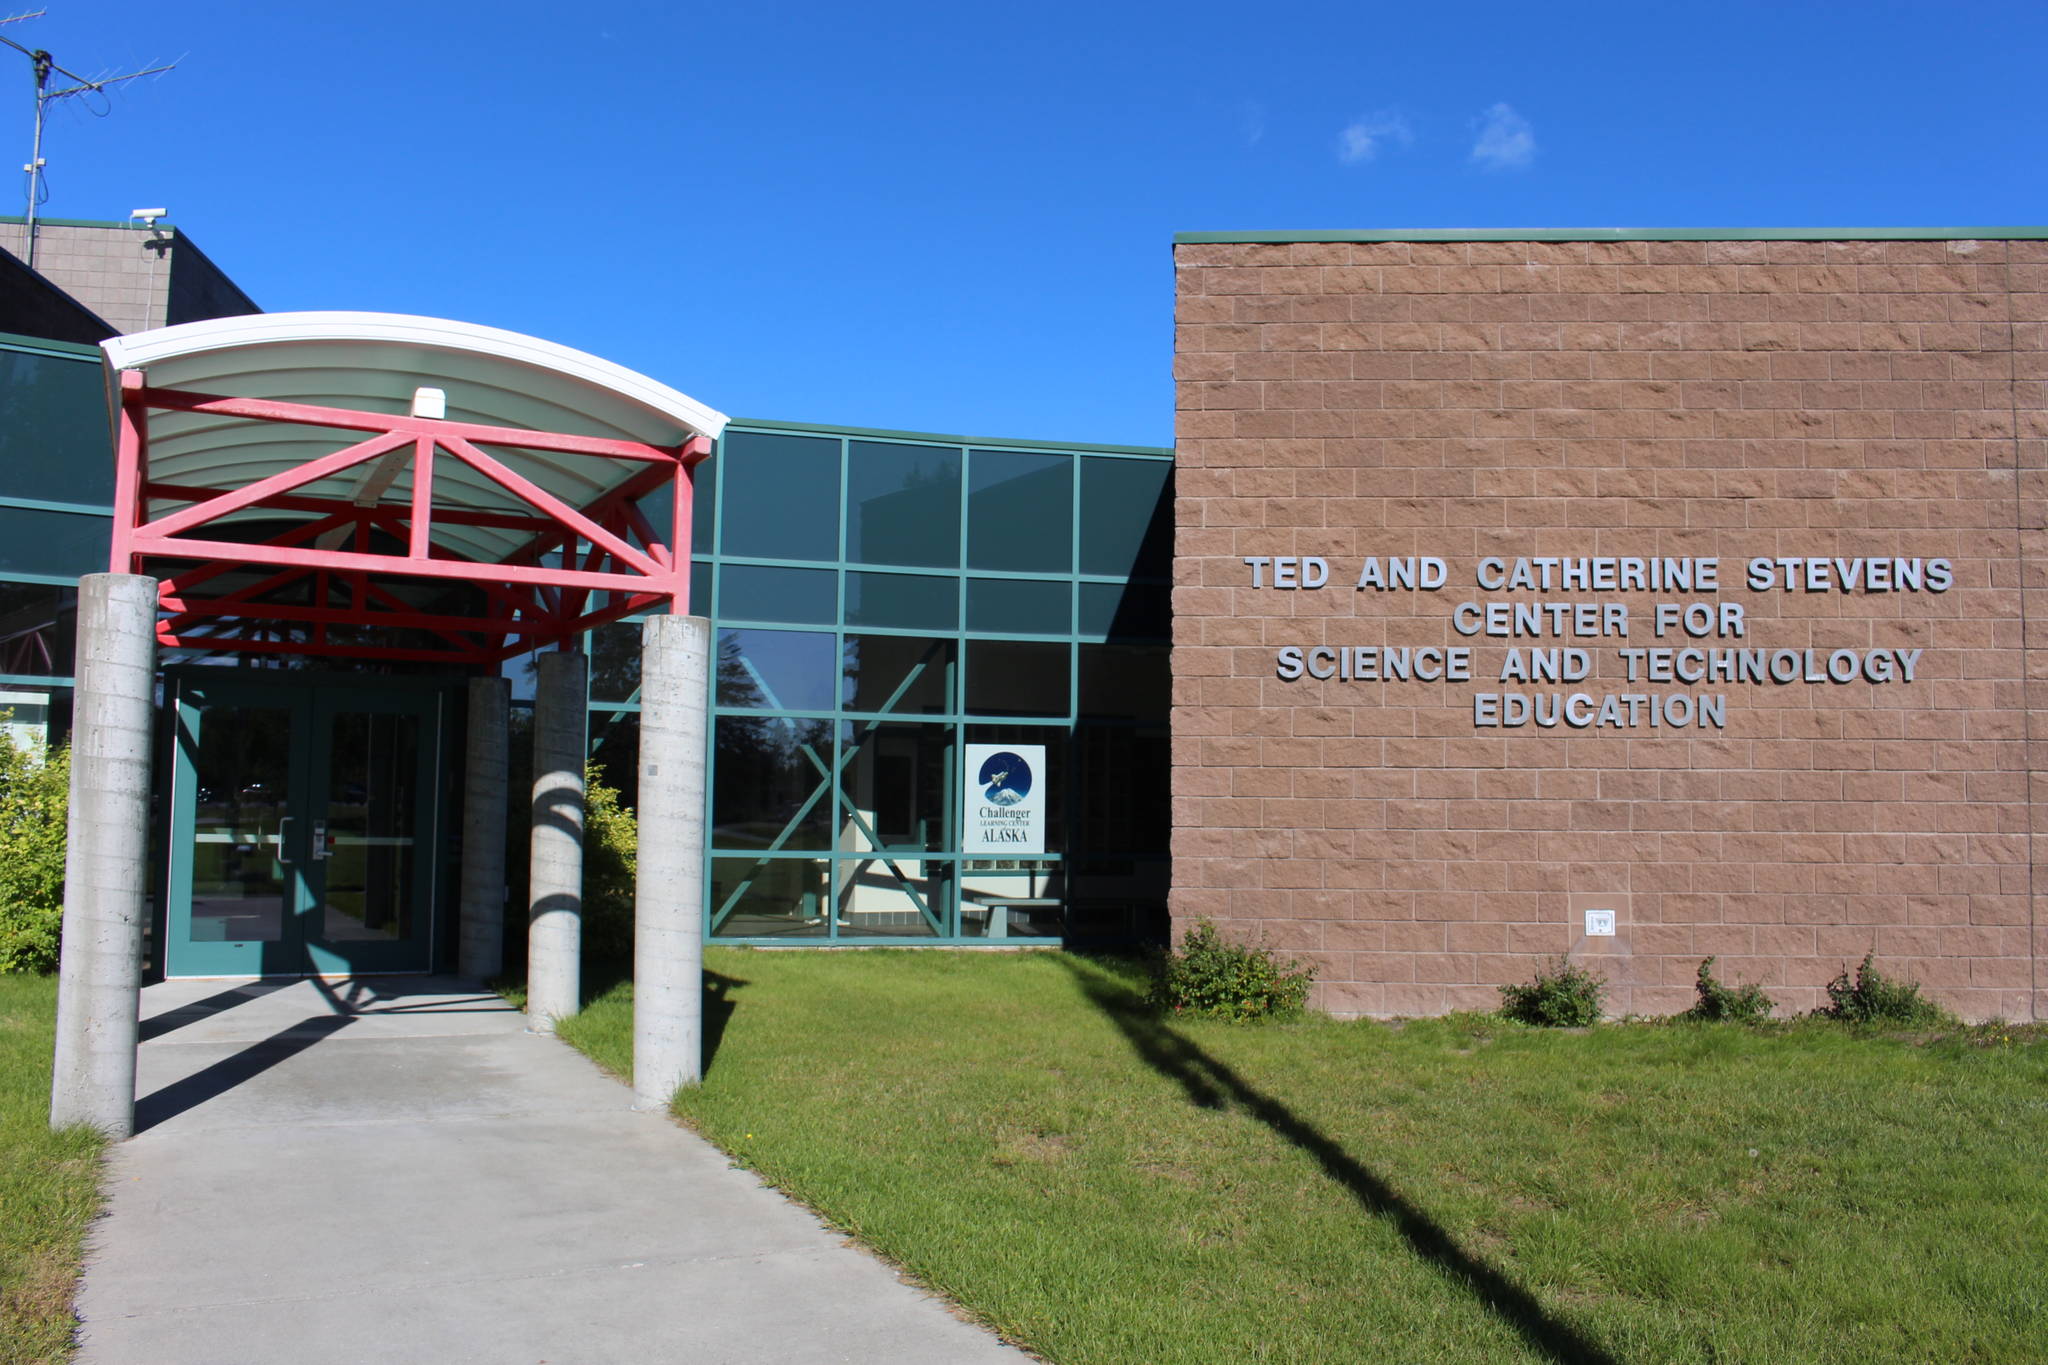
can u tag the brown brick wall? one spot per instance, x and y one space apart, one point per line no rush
1854 399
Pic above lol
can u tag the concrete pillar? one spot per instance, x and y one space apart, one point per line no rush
483 829
554 932
668 889
106 861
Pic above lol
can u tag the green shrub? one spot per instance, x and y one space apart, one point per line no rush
1874 998
35 786
1719 1002
1214 977
1563 995
611 847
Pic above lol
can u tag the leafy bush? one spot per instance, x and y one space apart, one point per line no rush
1719 1002
1563 995
1874 998
1214 977
35 787
611 849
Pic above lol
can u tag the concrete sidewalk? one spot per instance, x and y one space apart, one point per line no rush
393 1170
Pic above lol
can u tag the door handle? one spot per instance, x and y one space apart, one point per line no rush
321 852
282 855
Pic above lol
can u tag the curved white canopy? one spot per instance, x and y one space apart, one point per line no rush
374 362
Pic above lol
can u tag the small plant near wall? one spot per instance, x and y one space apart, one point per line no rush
1218 979
1874 998
1722 1003
34 804
1563 995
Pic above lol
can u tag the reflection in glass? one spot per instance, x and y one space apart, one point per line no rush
775 670
1126 517
1011 898
242 768
898 674
1016 678
1020 512
1019 606
773 788
615 661
903 504
370 830
895 787
38 627
769 897
780 496
890 896
753 592
905 601
1127 611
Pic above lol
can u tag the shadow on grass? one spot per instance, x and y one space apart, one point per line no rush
1209 1084
601 978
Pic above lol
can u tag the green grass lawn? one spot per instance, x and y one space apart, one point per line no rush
1103 1185
49 1182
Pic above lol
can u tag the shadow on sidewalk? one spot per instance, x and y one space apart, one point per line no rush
1210 1084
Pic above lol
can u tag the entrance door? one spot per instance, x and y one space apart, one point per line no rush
302 836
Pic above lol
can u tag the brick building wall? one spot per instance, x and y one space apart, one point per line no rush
134 277
1697 400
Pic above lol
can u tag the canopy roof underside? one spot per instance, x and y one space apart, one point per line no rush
374 363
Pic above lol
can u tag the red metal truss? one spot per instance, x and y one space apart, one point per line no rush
346 564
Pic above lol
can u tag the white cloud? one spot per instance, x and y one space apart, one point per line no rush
1364 137
1506 141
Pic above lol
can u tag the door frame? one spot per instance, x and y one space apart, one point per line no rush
313 697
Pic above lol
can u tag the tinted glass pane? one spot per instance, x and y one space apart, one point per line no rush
1126 611
38 628
241 768
615 661
889 895
1126 517
781 496
1012 898
372 830
1122 787
54 443
754 592
909 601
772 788
899 674
769 898
615 749
1020 512
895 787
1006 678
703 505
775 670
53 542
1019 606
903 504
1124 682
25 717
700 588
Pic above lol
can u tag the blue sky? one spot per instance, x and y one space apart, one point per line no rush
958 217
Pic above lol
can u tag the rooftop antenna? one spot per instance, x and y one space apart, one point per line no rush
44 64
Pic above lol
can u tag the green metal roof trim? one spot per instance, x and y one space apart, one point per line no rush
942 438
1805 234
43 346
162 224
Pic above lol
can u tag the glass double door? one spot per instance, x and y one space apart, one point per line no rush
302 836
